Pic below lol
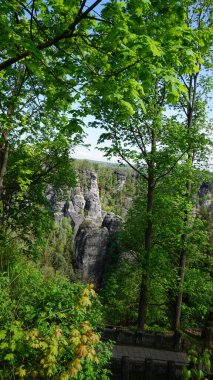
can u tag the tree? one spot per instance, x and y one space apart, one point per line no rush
146 149
40 70
130 105
28 212
193 106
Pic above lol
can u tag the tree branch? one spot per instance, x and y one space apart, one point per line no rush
171 168
68 33
127 161
141 147
123 68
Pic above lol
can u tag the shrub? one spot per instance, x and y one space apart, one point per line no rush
48 327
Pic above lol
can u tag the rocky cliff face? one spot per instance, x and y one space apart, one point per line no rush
90 251
84 202
205 195
81 202
92 226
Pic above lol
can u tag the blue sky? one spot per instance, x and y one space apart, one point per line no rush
92 153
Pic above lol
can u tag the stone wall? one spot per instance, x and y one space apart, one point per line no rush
127 369
152 340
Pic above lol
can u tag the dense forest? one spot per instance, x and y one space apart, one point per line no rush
142 71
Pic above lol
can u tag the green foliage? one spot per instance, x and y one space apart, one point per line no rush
27 213
151 47
200 365
40 69
120 293
47 327
164 64
59 250
58 63
122 281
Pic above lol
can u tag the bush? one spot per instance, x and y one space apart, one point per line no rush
48 327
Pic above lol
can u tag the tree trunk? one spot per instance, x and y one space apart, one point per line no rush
4 145
207 331
192 89
182 261
180 294
143 300
4 150
144 288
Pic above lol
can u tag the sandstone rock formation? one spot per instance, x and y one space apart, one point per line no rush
91 245
121 178
84 202
79 203
90 253
92 226
205 195
112 222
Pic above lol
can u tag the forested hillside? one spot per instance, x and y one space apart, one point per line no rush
85 245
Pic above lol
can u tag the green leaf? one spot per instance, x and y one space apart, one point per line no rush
138 11
154 47
9 357
3 334
4 345
127 107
